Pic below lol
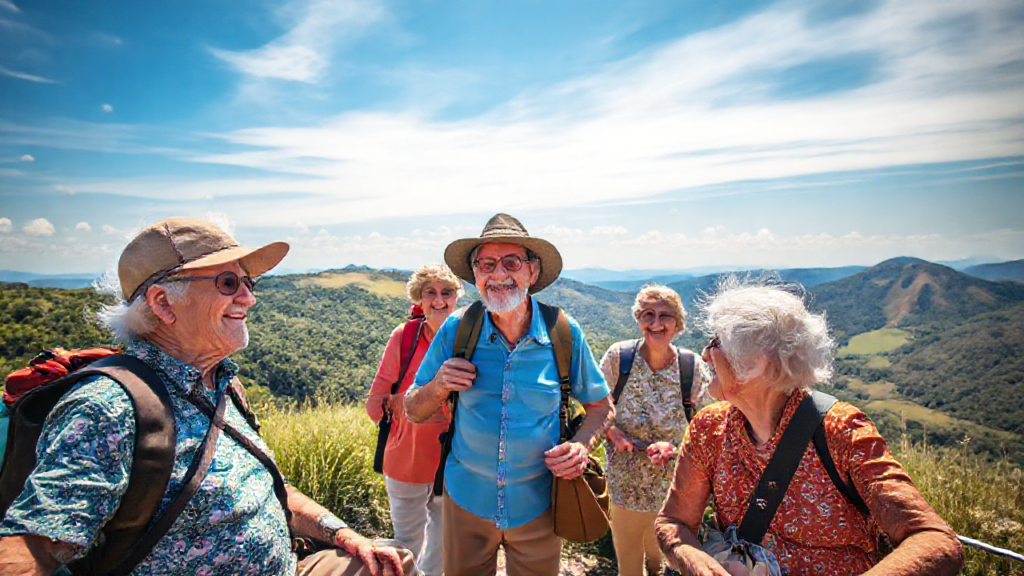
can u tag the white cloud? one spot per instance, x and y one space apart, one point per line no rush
608 231
9 6
107 108
23 76
65 190
694 113
83 226
107 39
5 225
108 229
39 227
27 158
304 53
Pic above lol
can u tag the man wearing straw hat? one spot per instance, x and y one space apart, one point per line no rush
185 288
498 477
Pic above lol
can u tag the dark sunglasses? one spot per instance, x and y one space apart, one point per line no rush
227 282
512 263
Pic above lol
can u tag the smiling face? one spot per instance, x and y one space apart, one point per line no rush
213 323
502 290
657 322
438 299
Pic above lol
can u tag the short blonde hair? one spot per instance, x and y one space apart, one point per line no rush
427 274
660 292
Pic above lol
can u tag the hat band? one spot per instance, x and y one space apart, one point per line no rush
156 277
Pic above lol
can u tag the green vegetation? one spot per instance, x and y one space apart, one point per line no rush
326 451
875 342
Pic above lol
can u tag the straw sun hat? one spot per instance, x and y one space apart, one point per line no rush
504 229
177 244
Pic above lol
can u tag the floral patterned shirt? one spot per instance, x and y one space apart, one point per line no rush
650 409
233 525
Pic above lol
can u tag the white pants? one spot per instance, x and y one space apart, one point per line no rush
416 518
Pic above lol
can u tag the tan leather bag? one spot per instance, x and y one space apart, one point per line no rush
579 506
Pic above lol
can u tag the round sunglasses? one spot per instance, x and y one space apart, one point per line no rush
227 282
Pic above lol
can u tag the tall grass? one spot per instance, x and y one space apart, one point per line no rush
327 452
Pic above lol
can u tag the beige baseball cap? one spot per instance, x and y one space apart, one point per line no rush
178 244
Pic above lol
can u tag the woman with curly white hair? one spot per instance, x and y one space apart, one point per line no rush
800 484
654 384
412 452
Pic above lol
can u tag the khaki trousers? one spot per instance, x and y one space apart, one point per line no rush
471 545
633 536
336 562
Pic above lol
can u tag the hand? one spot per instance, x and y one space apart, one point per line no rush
456 375
379 560
567 460
695 562
661 452
619 441
392 401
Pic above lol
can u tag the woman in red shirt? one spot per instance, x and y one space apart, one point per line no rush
767 352
413 450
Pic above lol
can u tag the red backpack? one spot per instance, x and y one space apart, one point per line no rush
49 366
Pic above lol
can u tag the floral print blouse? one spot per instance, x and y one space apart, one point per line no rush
815 530
650 409
233 525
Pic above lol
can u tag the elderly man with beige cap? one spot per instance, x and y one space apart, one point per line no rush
507 442
186 287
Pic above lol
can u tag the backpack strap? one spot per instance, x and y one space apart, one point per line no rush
774 483
152 462
411 333
687 361
466 337
824 403
560 334
627 352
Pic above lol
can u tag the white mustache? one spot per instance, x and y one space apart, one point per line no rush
502 284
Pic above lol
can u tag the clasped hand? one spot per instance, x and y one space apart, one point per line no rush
379 560
567 460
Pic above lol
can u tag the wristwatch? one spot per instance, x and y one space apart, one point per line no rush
331 523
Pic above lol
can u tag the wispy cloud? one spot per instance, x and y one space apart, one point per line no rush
9 6
107 108
23 76
304 53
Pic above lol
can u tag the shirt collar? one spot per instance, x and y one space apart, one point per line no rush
180 374
537 330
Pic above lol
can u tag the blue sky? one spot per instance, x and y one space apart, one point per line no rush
642 134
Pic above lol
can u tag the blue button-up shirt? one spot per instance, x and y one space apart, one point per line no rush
509 418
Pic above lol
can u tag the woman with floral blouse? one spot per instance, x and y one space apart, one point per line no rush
649 423
767 352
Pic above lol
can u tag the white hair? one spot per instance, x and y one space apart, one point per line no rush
130 320
757 321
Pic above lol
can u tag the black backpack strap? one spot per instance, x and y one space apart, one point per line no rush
824 402
560 334
152 463
627 352
466 337
771 488
687 362
406 355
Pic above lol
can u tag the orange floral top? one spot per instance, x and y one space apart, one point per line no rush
816 530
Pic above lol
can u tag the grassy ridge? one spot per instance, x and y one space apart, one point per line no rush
327 452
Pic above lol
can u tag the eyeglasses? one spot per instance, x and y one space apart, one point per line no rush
227 282
512 263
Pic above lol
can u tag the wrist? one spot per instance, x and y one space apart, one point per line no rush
330 525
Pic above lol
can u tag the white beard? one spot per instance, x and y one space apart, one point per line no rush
504 303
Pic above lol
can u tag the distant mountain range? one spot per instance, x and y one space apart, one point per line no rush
1013 270
66 281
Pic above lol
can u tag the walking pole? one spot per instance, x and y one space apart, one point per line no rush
990 548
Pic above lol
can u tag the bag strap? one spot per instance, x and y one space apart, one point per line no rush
466 337
824 403
627 352
152 461
194 477
560 334
411 333
774 483
687 361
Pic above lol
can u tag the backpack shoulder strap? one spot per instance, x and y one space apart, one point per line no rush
466 337
771 488
824 403
236 391
152 462
627 353
687 361
560 333
410 339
